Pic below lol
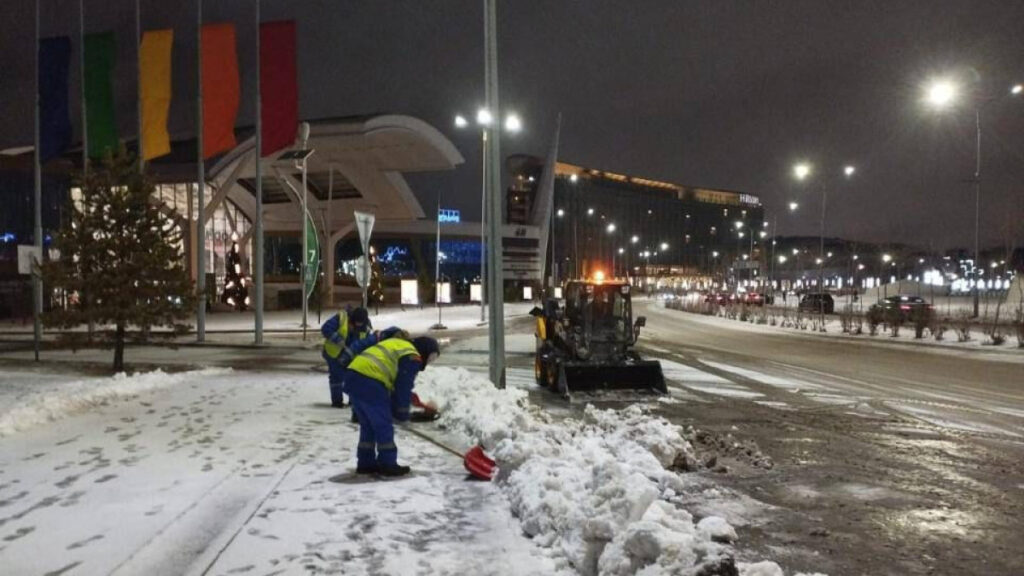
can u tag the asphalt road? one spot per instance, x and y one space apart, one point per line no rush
883 458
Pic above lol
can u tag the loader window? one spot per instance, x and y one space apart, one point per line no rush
610 311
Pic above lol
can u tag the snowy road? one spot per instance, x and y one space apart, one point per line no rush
905 460
226 473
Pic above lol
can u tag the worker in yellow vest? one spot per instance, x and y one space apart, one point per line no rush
341 332
379 383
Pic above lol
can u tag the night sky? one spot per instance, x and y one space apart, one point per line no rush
716 93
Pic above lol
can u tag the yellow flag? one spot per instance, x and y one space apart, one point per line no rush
155 90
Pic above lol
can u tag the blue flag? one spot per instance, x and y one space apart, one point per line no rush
54 120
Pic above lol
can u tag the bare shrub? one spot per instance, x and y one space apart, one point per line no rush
1018 325
846 316
893 320
962 326
874 318
939 328
921 317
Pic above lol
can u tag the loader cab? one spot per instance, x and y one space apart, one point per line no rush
602 310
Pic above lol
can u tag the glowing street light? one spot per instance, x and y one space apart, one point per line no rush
793 206
802 171
1017 89
739 224
611 228
483 117
460 121
886 258
560 212
590 211
941 93
782 258
573 178
664 246
849 170
634 239
513 123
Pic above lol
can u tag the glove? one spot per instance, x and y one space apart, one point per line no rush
336 338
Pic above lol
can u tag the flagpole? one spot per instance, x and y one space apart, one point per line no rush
81 70
200 183
37 285
257 258
138 79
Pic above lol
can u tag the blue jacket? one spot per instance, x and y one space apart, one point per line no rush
408 368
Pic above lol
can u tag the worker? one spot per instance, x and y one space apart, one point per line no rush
340 332
379 383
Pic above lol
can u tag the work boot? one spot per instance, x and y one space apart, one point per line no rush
340 404
367 469
393 470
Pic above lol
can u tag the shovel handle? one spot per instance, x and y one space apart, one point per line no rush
432 440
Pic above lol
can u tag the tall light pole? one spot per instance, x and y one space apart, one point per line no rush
802 171
484 119
942 94
496 328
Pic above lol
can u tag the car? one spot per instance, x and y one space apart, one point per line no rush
817 302
719 298
758 299
905 304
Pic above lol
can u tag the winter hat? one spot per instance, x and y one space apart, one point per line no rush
426 347
359 316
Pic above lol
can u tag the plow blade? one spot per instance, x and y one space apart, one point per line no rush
645 375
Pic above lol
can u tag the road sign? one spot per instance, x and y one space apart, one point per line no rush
363 272
312 255
28 255
364 224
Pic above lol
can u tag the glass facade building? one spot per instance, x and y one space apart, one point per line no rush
617 223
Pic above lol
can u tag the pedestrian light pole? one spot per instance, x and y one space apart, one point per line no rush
437 268
940 95
484 119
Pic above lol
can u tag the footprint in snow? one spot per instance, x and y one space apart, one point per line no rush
20 533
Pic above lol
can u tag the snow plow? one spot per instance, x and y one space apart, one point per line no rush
587 345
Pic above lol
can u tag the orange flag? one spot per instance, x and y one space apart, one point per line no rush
155 86
220 88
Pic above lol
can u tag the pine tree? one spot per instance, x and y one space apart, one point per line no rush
376 288
236 291
119 260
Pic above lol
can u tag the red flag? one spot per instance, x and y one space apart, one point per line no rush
279 85
220 88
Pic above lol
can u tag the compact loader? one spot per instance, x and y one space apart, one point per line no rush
587 345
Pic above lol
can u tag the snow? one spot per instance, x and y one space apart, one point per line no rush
223 472
49 402
701 381
594 491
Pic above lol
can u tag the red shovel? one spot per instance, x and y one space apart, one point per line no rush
478 464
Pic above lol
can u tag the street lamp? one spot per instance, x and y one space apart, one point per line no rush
793 206
942 94
560 212
512 125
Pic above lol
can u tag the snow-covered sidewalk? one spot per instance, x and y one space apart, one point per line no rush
222 472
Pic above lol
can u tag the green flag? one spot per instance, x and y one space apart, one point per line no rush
312 255
100 53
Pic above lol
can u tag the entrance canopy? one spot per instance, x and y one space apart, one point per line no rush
358 164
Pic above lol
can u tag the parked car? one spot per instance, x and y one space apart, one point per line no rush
758 298
817 302
905 304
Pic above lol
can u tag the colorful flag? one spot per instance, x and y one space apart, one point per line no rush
220 88
155 91
100 53
54 120
279 85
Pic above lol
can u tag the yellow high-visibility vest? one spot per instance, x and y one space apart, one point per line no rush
334 350
380 362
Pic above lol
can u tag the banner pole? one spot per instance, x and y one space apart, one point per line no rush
200 184
37 283
257 256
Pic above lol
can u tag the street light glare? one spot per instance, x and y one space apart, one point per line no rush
611 228
886 258
590 211
1017 89
513 124
664 246
793 206
941 93
460 121
483 117
561 212
802 171
849 170
634 239
573 178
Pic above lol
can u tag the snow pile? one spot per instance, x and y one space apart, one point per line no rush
594 491
49 404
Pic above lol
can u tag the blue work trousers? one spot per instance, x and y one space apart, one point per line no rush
371 403
336 379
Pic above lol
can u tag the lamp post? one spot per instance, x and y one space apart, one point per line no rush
942 94
801 172
512 125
